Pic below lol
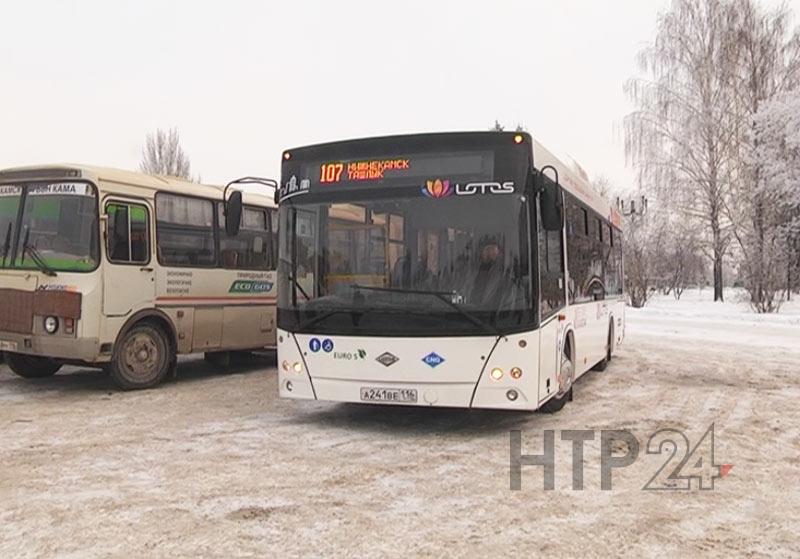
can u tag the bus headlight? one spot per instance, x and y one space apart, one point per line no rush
298 367
496 373
51 325
516 373
285 366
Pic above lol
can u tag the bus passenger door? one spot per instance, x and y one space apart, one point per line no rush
552 300
128 276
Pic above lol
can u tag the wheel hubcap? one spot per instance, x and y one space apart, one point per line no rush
141 355
565 377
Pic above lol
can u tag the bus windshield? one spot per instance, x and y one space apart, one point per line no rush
437 247
57 230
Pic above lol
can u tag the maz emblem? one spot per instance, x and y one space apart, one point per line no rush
387 359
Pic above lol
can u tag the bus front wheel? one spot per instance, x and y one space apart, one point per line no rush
30 366
601 366
565 379
142 358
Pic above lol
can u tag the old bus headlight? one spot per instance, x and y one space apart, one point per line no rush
51 325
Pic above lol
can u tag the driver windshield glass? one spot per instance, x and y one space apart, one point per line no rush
58 225
9 209
406 264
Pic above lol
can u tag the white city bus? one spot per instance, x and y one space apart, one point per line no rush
124 271
465 269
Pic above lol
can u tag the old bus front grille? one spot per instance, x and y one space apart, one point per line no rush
19 307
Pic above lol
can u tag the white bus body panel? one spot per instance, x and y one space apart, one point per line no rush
462 379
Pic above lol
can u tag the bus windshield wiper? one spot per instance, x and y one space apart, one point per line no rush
442 296
323 316
6 243
298 286
36 257
294 281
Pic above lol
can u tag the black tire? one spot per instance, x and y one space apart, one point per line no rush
142 358
602 365
30 366
557 402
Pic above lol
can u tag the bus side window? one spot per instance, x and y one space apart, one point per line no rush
273 220
185 231
250 249
128 240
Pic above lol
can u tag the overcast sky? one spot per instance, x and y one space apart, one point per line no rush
84 81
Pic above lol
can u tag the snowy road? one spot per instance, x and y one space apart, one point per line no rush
217 465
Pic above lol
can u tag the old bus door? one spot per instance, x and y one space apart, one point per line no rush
129 280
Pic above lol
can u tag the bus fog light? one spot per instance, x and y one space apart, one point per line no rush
512 395
497 373
516 373
50 324
298 367
289 385
285 366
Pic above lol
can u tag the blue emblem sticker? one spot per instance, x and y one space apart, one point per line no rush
314 344
433 359
327 345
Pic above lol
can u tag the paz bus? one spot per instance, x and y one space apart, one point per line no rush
125 271
470 270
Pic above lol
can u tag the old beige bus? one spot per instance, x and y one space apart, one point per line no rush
125 271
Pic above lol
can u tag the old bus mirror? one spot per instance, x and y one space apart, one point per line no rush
550 202
233 213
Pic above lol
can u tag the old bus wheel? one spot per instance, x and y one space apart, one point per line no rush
141 359
30 366
565 379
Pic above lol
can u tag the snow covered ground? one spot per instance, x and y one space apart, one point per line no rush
217 465
696 317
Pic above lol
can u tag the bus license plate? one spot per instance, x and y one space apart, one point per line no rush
8 346
398 395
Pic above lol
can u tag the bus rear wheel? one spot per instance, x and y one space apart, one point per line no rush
30 366
142 358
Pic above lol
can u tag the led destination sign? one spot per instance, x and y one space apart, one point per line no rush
401 169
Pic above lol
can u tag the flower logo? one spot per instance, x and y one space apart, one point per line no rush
437 189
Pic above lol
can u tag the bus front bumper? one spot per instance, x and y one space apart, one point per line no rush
455 395
56 347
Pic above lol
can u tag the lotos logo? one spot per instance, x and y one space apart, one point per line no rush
437 189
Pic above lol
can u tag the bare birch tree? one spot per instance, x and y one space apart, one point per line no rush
163 155
766 187
680 135
643 244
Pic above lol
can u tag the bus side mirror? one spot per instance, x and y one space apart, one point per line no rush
233 213
551 206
